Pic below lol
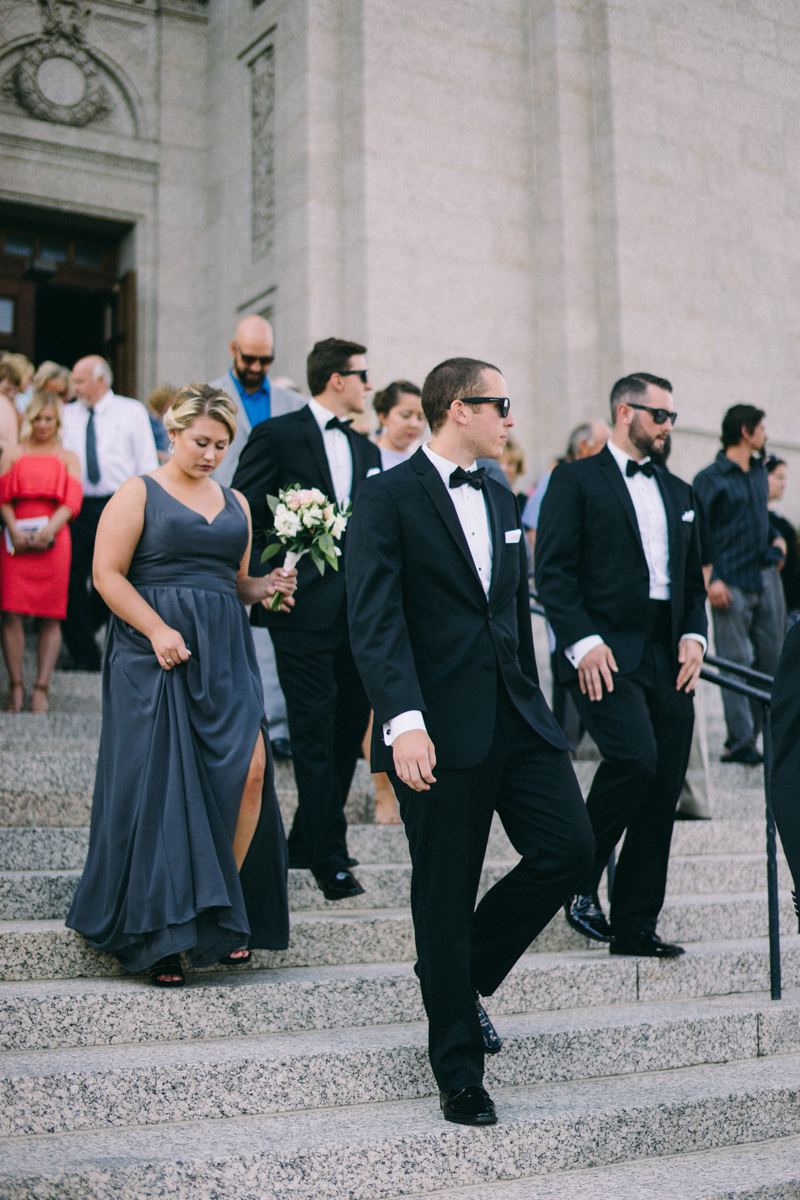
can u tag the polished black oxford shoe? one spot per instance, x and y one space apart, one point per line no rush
492 1043
585 914
646 945
341 886
470 1105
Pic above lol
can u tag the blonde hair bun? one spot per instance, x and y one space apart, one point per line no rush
195 400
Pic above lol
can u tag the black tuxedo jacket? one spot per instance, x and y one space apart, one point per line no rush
591 570
280 452
424 634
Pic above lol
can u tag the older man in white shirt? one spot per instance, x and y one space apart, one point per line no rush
113 439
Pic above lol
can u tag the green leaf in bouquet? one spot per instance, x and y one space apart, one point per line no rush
325 544
333 560
271 551
273 502
318 560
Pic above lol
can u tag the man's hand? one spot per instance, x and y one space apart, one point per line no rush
718 594
690 656
594 669
414 759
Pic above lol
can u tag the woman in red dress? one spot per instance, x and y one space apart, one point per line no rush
40 491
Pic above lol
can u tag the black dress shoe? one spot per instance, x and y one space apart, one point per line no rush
352 862
298 863
747 754
282 749
341 886
492 1043
470 1105
646 945
585 914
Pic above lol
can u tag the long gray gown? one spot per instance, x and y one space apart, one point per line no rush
175 749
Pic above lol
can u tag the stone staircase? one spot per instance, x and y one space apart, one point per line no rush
306 1075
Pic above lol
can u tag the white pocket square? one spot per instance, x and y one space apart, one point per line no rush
688 515
373 471
513 535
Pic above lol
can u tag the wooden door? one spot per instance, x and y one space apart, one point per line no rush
121 348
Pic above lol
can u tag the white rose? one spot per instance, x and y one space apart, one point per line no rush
317 496
287 523
339 525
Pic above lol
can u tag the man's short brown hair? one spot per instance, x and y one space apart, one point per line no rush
453 379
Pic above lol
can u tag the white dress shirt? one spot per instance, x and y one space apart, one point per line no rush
651 518
337 452
124 439
470 509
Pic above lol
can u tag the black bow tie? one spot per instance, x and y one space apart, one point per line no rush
474 478
646 468
335 423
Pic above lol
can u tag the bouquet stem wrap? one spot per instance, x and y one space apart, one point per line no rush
290 562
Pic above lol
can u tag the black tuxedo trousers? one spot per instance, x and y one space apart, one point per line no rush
644 731
461 949
328 711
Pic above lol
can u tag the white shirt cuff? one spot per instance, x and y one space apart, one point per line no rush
406 721
576 651
696 637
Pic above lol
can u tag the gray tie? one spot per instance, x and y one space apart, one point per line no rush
92 465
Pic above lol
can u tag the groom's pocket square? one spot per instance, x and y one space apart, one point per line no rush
373 471
513 535
688 515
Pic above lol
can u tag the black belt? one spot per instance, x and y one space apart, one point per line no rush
659 621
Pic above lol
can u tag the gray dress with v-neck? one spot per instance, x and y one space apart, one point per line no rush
175 749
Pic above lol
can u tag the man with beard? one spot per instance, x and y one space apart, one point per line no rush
618 570
257 399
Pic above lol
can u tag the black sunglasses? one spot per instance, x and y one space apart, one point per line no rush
660 415
364 374
249 359
503 403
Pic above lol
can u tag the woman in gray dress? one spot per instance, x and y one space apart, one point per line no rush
187 849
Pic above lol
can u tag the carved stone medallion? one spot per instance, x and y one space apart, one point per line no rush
55 79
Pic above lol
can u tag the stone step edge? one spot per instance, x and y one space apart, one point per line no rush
128 1085
99 1011
767 1170
402 1147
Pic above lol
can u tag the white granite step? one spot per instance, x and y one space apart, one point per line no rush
48 1014
224 1077
768 1170
44 949
47 894
49 848
403 1147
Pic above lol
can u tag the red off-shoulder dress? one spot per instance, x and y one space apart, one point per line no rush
35 583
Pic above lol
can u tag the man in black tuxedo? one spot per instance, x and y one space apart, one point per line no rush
441 627
618 570
327 707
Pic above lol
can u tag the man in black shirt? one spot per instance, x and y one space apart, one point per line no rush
741 572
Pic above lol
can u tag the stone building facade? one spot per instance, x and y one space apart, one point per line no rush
572 189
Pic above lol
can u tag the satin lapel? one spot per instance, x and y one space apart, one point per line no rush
669 509
613 475
356 453
495 525
431 480
318 449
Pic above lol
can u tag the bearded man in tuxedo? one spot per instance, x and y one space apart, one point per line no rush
618 570
441 632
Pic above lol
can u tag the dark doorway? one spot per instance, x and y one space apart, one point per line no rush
70 322
61 291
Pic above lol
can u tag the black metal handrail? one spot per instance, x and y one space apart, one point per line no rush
722 678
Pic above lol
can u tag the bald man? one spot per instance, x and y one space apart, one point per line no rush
248 385
257 400
113 440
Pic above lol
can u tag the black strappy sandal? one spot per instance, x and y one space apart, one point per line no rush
171 965
241 961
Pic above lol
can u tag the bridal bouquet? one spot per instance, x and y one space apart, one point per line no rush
306 522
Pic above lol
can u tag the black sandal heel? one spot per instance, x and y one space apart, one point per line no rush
241 961
171 965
